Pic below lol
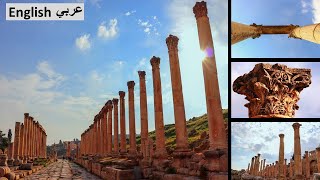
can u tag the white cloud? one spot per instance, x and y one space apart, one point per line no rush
130 13
108 32
147 30
316 11
83 42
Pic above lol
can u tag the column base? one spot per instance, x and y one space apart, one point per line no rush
10 162
217 160
181 159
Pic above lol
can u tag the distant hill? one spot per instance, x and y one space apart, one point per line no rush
195 127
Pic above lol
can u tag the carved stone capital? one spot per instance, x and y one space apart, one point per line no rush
115 101
200 9
272 90
281 135
122 94
26 115
130 84
172 42
155 62
142 74
296 126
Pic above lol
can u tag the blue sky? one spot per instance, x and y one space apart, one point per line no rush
309 106
63 72
250 138
275 12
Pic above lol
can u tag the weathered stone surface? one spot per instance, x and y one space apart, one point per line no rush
316 176
4 170
27 166
272 90
3 160
10 176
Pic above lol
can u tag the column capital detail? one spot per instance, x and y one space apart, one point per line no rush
122 94
115 101
296 126
200 9
142 74
172 42
26 115
281 135
272 90
131 84
155 62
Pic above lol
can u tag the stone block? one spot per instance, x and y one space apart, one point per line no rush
4 170
183 171
27 166
316 176
10 176
197 157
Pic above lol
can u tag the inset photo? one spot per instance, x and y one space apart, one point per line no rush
275 90
275 150
273 28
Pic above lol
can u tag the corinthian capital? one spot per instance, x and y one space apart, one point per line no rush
272 90
200 9
172 42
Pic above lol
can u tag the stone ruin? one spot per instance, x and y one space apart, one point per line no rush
272 90
298 167
109 158
26 151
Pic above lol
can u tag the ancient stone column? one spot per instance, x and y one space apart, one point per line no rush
264 166
290 169
16 154
248 167
104 128
45 145
275 96
158 108
21 150
143 112
285 168
252 166
307 165
177 94
98 135
26 131
122 123
260 172
109 137
257 165
281 157
115 126
240 32
95 136
297 152
132 126
318 158
217 132
309 33
29 136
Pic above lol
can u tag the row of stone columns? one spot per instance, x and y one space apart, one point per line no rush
280 169
29 140
99 135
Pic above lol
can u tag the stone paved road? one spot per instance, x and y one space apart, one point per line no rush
62 169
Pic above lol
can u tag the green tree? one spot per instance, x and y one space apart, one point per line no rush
4 142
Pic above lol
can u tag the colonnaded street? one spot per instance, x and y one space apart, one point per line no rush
62 169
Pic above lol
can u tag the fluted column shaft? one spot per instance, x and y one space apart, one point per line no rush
132 124
115 126
104 129
177 94
17 141
109 137
297 151
307 165
158 107
122 123
217 132
143 112
21 150
252 165
26 131
281 157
